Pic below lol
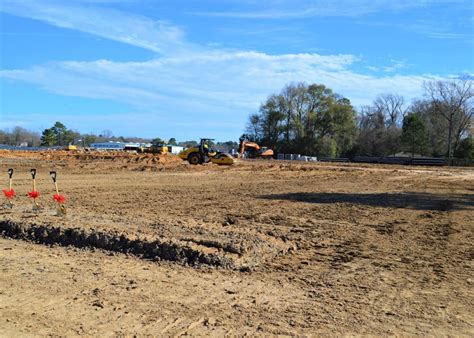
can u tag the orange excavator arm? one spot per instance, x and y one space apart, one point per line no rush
267 153
244 145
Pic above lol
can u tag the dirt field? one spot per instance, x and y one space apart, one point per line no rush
152 245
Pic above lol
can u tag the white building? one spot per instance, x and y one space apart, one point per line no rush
175 149
108 146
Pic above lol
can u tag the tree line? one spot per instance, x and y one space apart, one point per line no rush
60 135
313 120
20 136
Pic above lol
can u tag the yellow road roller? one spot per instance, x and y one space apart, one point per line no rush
203 153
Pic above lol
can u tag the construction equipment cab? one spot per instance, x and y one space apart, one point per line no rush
156 148
253 150
203 153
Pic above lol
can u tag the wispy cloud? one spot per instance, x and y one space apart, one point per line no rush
322 8
140 31
431 28
189 80
215 82
438 30
198 77
299 9
395 65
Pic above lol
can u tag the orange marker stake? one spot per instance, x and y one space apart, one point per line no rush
10 193
60 199
34 194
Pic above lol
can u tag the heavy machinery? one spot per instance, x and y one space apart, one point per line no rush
253 150
203 153
70 148
155 148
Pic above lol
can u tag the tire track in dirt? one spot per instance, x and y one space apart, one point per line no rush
79 238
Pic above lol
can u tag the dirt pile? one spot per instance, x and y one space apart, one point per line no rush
94 160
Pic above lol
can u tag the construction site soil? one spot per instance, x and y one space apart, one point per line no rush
151 245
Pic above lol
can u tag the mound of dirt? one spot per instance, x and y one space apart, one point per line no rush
117 157
92 160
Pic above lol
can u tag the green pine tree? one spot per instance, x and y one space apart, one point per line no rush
59 131
414 137
48 138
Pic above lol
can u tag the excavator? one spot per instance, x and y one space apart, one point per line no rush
253 150
203 153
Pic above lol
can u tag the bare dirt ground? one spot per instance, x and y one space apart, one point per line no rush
152 245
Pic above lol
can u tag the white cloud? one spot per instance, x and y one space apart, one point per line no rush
136 30
215 82
187 81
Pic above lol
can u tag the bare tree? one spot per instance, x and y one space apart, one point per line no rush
107 134
254 126
453 100
18 136
381 125
290 103
371 132
392 106
436 126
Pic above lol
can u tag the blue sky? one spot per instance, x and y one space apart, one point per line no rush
190 69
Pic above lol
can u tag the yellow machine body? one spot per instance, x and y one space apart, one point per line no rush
202 154
222 159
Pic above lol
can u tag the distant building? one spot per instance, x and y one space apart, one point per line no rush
108 146
132 146
175 149
129 146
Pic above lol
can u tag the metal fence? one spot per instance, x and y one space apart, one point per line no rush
297 157
7 147
427 161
